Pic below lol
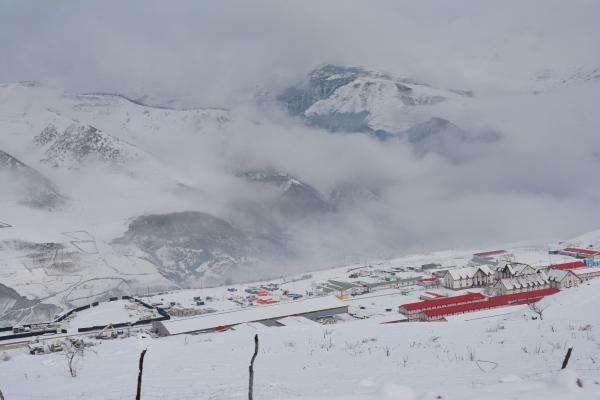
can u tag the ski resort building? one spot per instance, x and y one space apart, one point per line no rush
563 278
524 283
587 273
512 269
467 277
367 285
412 310
313 309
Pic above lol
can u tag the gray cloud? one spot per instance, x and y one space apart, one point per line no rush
536 182
206 52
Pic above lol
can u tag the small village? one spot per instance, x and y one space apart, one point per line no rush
384 292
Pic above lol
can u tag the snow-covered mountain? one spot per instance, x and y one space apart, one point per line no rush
118 210
74 169
355 99
103 194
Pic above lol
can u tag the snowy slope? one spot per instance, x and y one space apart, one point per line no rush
83 164
511 357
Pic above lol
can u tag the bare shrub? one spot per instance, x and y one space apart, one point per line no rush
471 354
327 339
74 351
537 309
387 350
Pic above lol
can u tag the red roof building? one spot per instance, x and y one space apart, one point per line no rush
412 310
492 302
582 252
489 253
568 265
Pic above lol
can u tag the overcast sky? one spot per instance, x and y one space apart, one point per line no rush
206 52
533 183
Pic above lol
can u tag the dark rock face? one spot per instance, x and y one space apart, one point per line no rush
188 247
411 101
27 185
47 135
319 85
15 308
297 199
10 163
357 100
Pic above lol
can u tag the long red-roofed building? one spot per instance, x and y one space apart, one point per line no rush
412 310
568 265
492 302
581 253
490 253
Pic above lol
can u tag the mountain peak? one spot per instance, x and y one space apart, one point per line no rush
356 99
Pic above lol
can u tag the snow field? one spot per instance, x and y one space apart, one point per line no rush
498 358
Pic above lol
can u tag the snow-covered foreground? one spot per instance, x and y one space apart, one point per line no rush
515 357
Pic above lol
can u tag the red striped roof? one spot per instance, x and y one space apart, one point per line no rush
492 302
490 253
435 294
568 265
528 295
587 252
441 302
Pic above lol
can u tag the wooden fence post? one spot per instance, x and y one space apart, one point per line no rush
566 360
138 396
251 368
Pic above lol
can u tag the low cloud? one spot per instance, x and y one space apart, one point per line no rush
536 181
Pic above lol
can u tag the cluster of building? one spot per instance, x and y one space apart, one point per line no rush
438 309
367 279
504 282
499 273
